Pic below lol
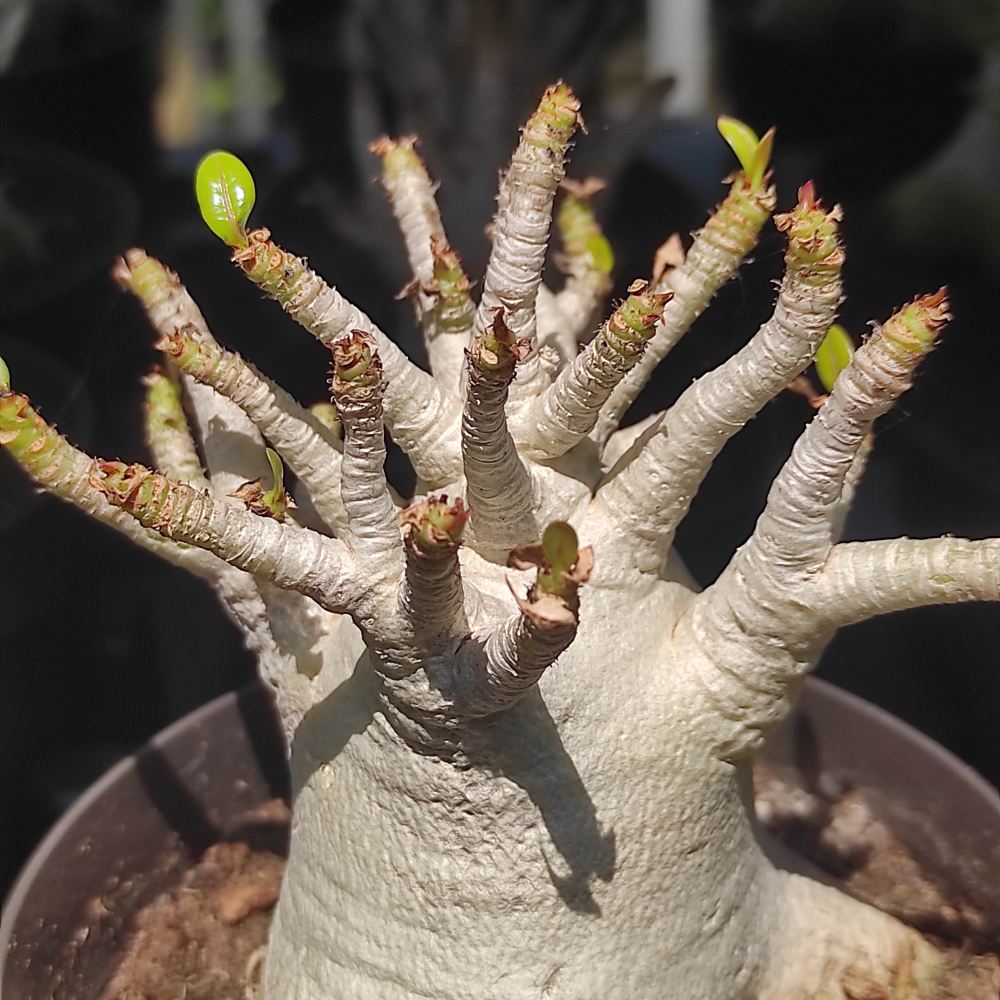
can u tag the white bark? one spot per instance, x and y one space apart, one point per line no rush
715 256
420 413
310 450
504 797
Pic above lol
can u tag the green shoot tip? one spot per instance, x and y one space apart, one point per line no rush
4 376
753 153
226 193
561 547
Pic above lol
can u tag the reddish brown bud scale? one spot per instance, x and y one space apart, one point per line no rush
434 526
497 349
357 368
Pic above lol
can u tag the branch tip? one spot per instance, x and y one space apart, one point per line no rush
555 119
398 156
357 368
636 318
563 567
147 495
811 231
433 527
497 348
913 330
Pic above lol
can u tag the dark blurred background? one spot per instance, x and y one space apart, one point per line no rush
893 108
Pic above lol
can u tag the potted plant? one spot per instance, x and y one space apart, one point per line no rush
520 740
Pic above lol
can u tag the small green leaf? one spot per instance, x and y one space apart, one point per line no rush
833 355
741 138
754 154
4 375
225 191
761 158
601 253
560 546
275 498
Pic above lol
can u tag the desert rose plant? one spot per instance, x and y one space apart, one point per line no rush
520 737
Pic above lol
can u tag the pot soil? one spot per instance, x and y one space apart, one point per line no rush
160 879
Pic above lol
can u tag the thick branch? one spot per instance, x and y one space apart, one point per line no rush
233 450
864 579
496 667
764 622
432 596
499 488
651 495
548 425
372 524
312 451
524 216
715 256
291 558
52 462
422 415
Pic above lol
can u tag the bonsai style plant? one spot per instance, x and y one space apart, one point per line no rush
520 739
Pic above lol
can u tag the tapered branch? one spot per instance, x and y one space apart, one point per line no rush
372 524
52 462
838 517
167 432
275 623
864 579
715 256
553 422
448 324
496 667
432 597
499 488
422 416
524 215
437 274
232 448
809 487
766 618
651 495
411 197
309 448
587 261
291 558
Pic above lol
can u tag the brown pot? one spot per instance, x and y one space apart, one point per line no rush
128 837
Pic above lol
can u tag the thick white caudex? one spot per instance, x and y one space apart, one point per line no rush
520 739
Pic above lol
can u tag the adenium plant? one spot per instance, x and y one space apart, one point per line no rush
520 737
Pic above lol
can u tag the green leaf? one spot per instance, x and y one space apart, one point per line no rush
833 355
560 547
275 499
225 191
4 375
761 158
601 253
741 138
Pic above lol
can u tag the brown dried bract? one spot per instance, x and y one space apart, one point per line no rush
669 254
583 189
